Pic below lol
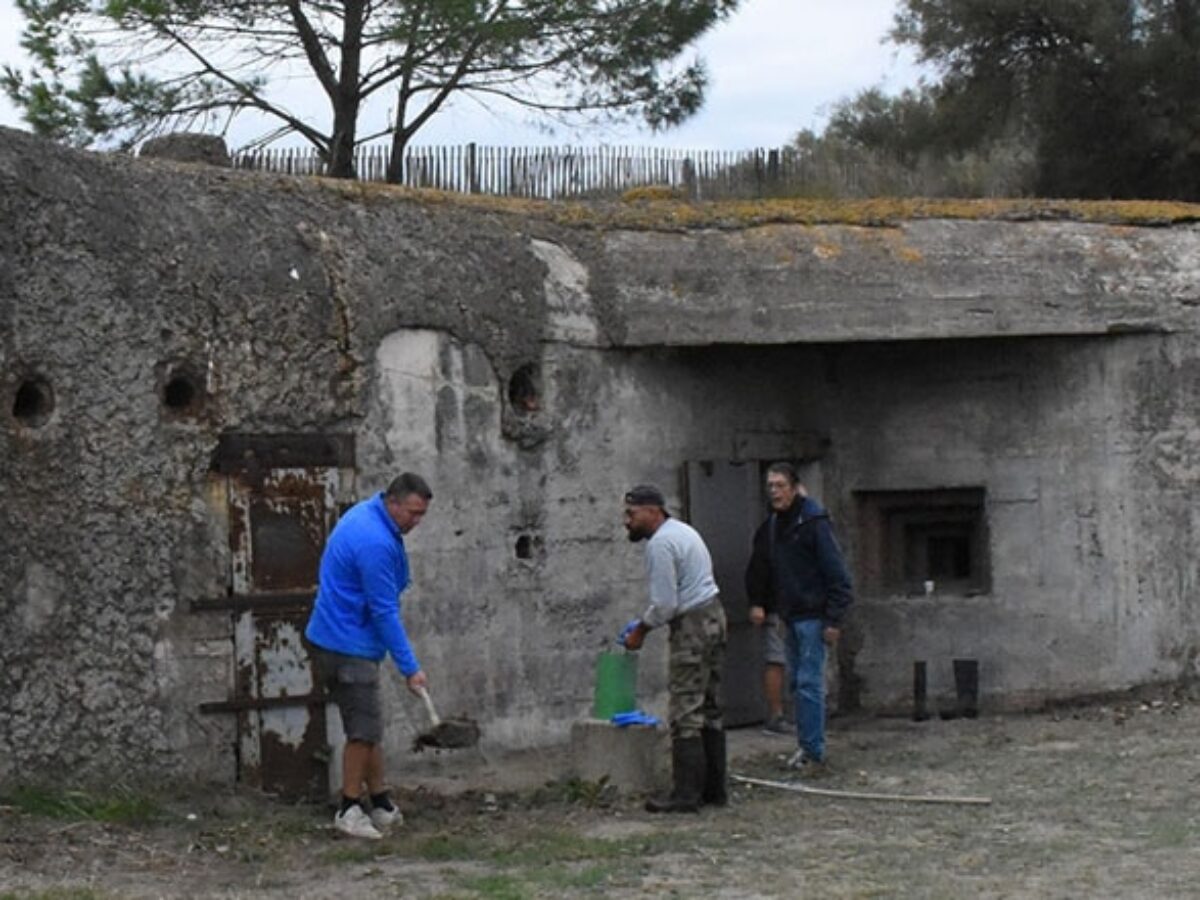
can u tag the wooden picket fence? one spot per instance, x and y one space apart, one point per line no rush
554 173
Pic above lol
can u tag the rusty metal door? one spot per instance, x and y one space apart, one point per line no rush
284 494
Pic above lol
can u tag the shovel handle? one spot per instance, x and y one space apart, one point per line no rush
434 718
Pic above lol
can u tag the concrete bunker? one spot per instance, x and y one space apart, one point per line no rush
1007 407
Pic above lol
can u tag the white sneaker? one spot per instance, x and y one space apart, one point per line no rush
806 766
386 818
355 823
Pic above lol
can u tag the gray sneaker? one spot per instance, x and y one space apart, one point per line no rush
777 725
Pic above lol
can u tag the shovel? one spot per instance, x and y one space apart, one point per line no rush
444 734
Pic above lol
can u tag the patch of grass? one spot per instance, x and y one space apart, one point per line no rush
532 872
656 843
1171 834
120 805
445 848
544 847
499 887
591 793
350 854
565 878
294 826
577 791
253 855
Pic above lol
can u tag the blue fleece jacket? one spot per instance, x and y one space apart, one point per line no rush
364 569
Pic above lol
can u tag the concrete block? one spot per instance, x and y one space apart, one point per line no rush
634 758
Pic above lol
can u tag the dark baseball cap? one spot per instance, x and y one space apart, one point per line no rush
645 495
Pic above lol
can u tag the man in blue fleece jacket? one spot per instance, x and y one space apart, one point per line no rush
355 622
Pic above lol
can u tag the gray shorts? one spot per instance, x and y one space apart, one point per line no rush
774 652
353 684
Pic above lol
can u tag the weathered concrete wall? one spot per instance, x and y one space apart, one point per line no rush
926 279
302 307
533 627
1086 449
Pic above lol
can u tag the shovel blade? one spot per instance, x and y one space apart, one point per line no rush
449 734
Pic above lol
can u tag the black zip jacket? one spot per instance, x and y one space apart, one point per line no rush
796 567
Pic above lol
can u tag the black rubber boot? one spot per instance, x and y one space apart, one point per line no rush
966 686
920 697
715 793
687 774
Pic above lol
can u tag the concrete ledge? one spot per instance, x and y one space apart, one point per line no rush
634 758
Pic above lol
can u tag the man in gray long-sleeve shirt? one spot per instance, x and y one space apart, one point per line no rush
683 594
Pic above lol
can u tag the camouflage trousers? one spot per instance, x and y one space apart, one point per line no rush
694 671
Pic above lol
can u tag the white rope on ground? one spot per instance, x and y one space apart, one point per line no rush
859 795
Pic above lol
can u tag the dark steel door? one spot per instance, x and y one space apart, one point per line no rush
725 506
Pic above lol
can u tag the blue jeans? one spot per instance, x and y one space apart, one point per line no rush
806 655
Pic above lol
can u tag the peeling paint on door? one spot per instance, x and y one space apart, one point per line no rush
280 512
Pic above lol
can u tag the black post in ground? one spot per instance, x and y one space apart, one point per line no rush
920 697
966 686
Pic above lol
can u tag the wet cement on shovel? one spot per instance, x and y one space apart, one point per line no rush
449 734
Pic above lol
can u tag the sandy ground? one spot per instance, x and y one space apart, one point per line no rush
1092 801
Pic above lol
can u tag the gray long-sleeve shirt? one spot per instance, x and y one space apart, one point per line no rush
679 572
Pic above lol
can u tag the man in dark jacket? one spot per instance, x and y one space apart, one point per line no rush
797 571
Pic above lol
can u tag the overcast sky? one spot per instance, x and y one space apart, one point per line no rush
776 67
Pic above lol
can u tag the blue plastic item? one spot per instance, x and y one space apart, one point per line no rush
635 717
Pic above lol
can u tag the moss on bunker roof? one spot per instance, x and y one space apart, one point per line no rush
650 213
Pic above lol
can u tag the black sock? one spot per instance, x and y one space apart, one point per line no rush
347 802
382 801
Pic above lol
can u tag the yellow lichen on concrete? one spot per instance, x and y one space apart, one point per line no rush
652 192
645 209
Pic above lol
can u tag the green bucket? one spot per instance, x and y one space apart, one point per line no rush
616 684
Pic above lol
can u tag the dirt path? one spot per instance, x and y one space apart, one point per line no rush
1097 801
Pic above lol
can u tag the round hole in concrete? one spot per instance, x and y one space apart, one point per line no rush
33 403
525 389
181 392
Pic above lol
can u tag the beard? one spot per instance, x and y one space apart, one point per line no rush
636 534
